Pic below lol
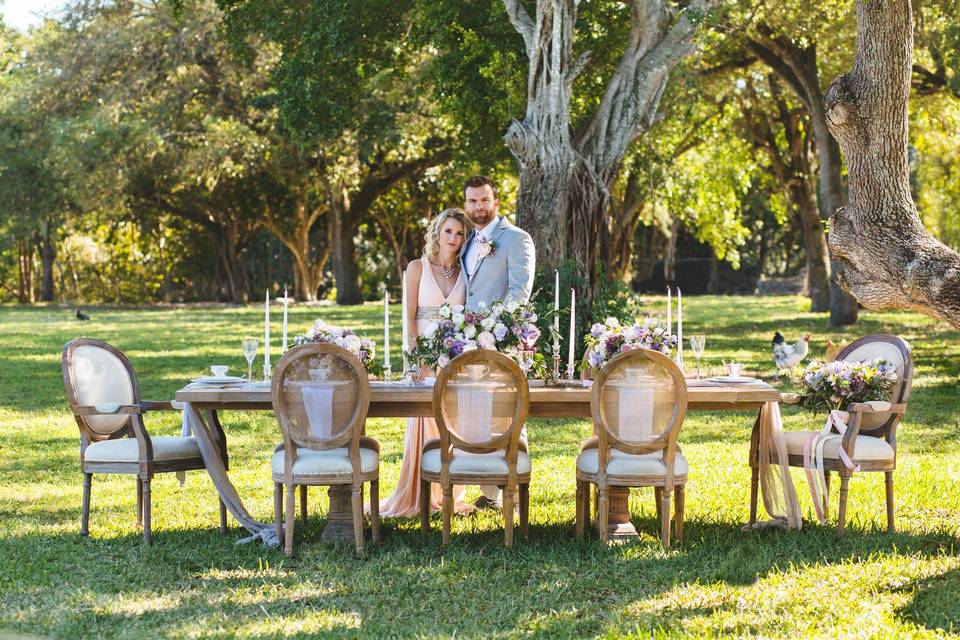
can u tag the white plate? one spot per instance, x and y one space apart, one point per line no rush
734 379
217 380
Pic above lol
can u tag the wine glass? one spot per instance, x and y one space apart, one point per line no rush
250 346
697 343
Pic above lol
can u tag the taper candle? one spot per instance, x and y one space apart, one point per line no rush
386 329
573 330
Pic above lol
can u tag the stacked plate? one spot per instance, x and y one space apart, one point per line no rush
217 380
734 379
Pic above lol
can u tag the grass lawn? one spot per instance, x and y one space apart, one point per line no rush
194 582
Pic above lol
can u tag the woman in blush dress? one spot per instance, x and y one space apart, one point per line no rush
432 281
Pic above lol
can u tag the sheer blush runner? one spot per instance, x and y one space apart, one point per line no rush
776 487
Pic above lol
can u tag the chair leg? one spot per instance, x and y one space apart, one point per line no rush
842 515
85 505
223 516
578 511
678 516
587 505
665 519
139 502
888 477
658 499
375 509
424 507
525 510
278 509
147 531
508 497
603 514
754 491
290 514
356 497
303 503
826 480
447 513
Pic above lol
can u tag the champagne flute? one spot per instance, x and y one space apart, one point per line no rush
526 361
697 343
250 346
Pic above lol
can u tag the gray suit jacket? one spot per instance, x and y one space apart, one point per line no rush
505 274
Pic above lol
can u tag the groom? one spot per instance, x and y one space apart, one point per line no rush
499 261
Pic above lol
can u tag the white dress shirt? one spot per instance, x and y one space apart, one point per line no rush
472 256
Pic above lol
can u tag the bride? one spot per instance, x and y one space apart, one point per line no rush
436 279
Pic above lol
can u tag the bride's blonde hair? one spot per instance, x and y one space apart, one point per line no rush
431 246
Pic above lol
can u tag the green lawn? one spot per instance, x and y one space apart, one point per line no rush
194 582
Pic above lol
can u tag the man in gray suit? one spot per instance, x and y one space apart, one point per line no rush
499 261
498 258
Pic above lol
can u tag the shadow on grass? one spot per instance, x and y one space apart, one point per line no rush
934 603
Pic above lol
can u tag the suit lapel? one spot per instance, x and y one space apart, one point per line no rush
501 226
463 257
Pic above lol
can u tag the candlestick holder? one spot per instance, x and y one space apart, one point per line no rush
387 374
678 360
570 372
556 366
267 372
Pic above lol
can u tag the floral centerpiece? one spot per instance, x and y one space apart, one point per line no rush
609 338
838 384
363 348
508 327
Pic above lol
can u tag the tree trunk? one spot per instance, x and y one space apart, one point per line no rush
815 243
565 181
307 263
888 258
343 228
25 271
48 254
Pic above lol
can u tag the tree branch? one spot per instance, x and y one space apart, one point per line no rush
521 21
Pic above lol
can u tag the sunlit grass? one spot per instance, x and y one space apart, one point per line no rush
194 582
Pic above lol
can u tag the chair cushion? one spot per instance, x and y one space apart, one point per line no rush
476 464
127 449
865 447
626 464
324 463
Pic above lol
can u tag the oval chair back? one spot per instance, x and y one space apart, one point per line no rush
321 396
480 401
896 351
639 402
98 374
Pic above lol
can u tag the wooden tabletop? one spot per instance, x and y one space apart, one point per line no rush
397 400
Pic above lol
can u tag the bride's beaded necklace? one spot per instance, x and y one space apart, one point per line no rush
448 273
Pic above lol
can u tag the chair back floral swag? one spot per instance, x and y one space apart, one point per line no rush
507 327
610 338
838 384
363 348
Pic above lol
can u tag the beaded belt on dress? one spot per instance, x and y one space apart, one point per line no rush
428 313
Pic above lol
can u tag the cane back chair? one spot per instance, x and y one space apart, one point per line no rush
870 440
480 402
638 402
104 396
321 396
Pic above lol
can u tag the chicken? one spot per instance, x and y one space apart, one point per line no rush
787 356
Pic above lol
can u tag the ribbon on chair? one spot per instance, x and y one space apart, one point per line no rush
813 461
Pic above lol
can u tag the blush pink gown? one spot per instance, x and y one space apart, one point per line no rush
405 500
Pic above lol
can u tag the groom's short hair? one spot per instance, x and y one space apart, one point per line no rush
480 181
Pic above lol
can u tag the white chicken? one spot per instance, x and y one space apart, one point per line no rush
787 356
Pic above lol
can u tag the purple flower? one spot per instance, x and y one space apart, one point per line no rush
597 330
529 335
500 331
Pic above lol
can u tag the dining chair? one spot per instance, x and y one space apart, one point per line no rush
638 402
480 402
321 396
104 396
870 440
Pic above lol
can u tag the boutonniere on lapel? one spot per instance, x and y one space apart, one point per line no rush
486 247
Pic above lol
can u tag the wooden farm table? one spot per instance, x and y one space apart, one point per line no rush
394 400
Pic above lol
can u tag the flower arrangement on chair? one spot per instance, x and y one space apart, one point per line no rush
838 384
507 327
363 348
610 338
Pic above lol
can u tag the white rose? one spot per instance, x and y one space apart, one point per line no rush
458 320
613 323
487 323
431 330
486 340
511 306
470 332
497 309
533 317
443 360
352 344
469 346
445 311
458 308
482 306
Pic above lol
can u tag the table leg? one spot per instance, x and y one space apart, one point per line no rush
618 523
339 516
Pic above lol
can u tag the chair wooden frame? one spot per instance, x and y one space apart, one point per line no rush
352 437
146 466
887 430
509 441
605 440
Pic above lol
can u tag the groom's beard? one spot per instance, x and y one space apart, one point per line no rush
483 217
